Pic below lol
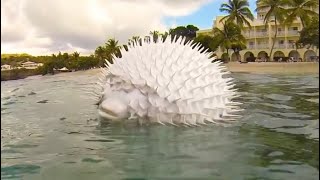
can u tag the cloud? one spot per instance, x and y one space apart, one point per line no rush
46 26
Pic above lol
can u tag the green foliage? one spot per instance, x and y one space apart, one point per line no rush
238 12
230 37
188 31
302 9
309 35
209 42
111 48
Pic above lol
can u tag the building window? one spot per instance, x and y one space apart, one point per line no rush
251 43
261 16
281 42
295 28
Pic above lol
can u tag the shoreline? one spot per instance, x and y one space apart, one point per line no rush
251 67
274 67
265 68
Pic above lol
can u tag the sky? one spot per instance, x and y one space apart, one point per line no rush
43 27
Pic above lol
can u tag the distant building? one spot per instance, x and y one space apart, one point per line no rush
259 40
31 65
64 69
5 67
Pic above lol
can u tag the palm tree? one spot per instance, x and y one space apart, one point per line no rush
100 54
76 55
230 37
155 35
302 9
238 12
112 47
276 12
164 35
135 40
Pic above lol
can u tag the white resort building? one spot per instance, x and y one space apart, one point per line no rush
5 67
259 40
30 65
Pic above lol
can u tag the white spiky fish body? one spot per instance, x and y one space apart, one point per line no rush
170 82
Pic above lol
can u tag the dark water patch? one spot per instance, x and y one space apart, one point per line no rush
280 171
21 146
91 160
74 132
63 118
15 157
43 101
2 109
183 156
99 140
18 170
32 93
9 151
6 98
22 96
69 162
16 89
9 103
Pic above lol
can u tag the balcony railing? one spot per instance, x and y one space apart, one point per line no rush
280 46
262 46
261 34
280 33
251 47
293 32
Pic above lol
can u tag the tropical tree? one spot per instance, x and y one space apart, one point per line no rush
309 35
230 37
209 42
302 9
164 35
135 40
76 55
188 31
112 48
238 12
155 35
100 55
276 12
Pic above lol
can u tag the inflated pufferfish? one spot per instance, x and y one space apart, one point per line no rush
169 82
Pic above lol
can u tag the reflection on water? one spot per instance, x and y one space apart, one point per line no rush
50 131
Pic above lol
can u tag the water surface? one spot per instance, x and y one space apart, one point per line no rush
49 130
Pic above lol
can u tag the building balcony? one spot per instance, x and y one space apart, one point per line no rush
280 46
248 35
262 46
251 46
262 34
280 33
293 33
291 46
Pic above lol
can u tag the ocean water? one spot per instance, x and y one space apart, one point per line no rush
50 130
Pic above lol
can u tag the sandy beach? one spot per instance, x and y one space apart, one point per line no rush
274 67
267 68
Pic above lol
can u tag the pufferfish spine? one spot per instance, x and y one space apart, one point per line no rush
171 82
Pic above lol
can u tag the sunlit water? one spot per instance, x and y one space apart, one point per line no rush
49 130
